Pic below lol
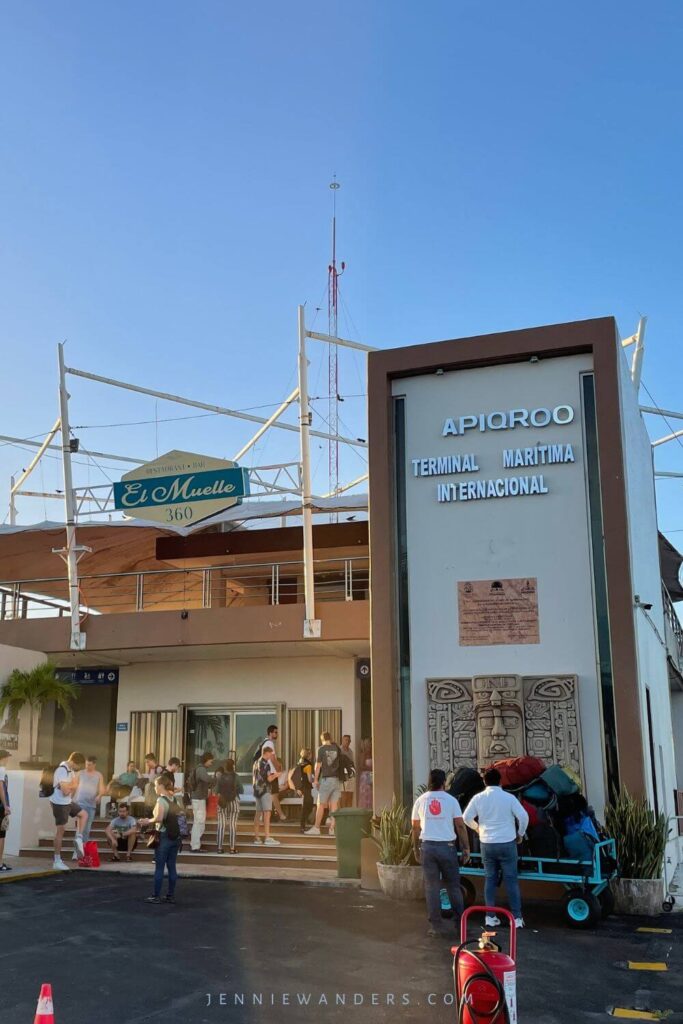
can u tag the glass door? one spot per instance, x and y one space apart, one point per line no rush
207 731
249 729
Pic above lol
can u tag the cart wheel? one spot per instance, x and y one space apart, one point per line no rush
668 904
606 900
446 909
582 909
469 893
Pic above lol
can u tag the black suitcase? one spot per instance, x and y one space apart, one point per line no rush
463 783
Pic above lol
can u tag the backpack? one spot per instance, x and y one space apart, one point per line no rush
295 779
558 781
47 780
516 772
171 821
347 769
190 784
463 784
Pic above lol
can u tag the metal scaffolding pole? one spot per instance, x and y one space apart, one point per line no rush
16 484
71 552
269 422
311 624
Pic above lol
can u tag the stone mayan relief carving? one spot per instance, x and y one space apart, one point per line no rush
475 721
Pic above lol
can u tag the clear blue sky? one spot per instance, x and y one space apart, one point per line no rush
164 191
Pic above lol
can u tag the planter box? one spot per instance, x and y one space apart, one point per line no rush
401 882
641 896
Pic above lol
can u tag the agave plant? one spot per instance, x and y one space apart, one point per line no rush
34 689
640 835
392 833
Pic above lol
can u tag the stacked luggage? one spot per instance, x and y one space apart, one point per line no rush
561 824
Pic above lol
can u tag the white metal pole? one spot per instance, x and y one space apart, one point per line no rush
344 342
637 364
311 624
12 503
16 484
269 422
71 558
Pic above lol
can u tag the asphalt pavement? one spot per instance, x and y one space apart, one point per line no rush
250 952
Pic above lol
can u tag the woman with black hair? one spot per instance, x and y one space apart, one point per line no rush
228 789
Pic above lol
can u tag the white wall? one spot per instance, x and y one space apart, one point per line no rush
298 682
647 583
677 719
544 536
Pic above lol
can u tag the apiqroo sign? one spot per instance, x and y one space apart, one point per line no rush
181 488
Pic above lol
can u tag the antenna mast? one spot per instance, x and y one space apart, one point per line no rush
333 276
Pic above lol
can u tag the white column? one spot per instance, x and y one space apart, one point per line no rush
311 624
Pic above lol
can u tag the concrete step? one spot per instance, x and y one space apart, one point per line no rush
264 857
299 845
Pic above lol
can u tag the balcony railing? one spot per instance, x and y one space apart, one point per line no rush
211 586
674 630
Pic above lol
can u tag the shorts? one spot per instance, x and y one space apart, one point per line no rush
3 832
264 803
62 812
122 844
329 792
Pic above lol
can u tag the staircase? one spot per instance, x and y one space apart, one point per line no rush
295 850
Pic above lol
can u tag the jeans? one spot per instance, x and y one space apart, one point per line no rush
88 825
501 857
198 823
165 856
440 861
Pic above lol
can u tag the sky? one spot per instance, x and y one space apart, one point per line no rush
165 203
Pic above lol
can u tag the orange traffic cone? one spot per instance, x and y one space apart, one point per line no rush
45 1013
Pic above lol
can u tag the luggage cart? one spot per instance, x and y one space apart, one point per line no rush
588 896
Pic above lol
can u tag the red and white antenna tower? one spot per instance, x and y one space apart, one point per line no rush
333 275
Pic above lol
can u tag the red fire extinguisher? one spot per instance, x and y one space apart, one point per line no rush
485 977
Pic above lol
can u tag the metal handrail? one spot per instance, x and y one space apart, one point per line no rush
189 569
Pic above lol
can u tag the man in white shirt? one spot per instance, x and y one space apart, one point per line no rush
436 818
65 783
501 822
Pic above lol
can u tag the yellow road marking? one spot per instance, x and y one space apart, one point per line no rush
637 965
655 931
618 1011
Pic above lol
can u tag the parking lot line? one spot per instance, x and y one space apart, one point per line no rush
640 965
626 1014
655 931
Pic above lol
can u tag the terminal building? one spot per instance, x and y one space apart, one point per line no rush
510 593
517 599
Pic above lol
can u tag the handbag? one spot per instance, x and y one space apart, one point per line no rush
153 839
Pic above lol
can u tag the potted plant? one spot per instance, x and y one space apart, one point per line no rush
34 689
399 876
641 837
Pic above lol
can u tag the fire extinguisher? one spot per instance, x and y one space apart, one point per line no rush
485 977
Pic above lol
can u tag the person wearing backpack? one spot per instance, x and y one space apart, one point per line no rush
263 775
165 822
200 784
64 785
329 774
228 790
301 781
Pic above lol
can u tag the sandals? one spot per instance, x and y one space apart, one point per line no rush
233 850
115 857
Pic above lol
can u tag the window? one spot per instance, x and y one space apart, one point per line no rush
305 726
153 731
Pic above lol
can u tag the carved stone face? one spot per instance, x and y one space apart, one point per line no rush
500 722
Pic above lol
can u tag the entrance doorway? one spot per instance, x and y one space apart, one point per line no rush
226 732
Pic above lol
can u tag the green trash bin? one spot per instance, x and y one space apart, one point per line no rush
351 825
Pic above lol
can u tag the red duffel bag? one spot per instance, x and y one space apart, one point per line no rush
518 771
212 805
91 856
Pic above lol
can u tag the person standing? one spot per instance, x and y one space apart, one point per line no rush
327 781
349 781
200 784
228 790
263 774
4 807
152 769
501 822
301 781
89 790
365 778
65 782
436 818
165 821
269 744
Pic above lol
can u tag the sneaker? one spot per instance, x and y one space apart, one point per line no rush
5 867
257 841
492 921
153 899
169 899
271 842
220 851
59 865
312 831
78 843
519 923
